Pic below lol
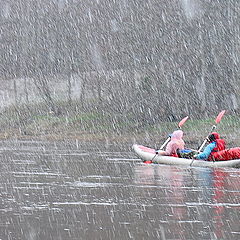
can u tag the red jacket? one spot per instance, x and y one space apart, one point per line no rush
220 145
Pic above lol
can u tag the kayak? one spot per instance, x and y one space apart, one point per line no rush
149 154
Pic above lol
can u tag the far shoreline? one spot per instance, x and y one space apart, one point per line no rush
191 138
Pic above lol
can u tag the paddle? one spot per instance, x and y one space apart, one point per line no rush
217 120
168 139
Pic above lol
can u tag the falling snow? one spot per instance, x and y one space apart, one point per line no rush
90 66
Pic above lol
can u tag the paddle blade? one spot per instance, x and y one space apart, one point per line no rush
182 121
219 117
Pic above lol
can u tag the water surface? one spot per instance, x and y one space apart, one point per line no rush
69 190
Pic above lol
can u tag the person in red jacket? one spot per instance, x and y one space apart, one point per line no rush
215 145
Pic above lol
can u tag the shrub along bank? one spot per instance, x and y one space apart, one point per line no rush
94 124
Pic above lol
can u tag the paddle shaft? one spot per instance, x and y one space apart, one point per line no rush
217 120
205 141
165 143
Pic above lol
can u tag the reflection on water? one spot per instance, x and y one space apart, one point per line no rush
67 191
200 203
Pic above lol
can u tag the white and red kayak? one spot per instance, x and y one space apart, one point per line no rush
149 154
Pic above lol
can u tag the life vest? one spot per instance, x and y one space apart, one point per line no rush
220 146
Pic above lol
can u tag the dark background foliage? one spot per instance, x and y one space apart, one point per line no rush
141 59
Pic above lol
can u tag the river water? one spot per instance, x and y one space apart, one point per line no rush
72 190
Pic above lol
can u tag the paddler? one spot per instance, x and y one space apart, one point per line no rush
215 145
176 143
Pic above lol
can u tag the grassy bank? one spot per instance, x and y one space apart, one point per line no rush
32 122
